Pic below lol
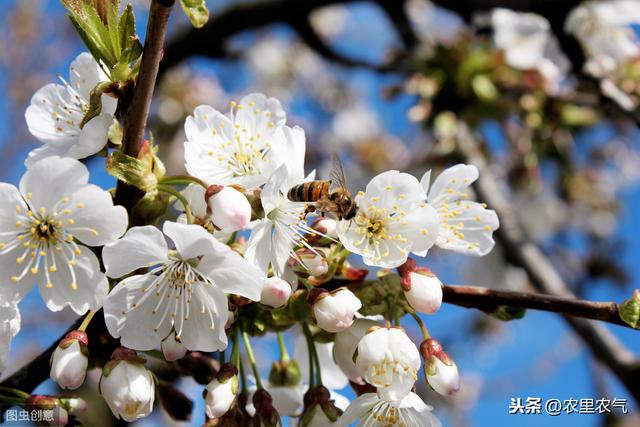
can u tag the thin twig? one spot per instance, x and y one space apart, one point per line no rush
488 299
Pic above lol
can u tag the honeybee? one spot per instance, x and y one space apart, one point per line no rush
326 195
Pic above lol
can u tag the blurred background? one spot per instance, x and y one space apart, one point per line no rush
385 84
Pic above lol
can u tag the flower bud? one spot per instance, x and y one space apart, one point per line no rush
228 208
172 349
285 373
319 409
389 360
309 263
440 370
41 402
275 292
422 289
69 361
266 414
629 310
334 311
127 386
346 343
325 227
221 392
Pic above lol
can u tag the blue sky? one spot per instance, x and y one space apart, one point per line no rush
537 356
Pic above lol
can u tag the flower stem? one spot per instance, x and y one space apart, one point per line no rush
182 180
252 360
170 190
423 328
313 356
14 391
11 400
284 355
235 352
86 321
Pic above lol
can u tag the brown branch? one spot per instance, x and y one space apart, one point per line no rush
487 299
542 274
134 118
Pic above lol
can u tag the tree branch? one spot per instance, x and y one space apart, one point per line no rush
487 299
542 274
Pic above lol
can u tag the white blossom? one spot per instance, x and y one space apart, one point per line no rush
240 148
375 411
388 360
274 237
392 221
334 311
44 227
422 288
56 111
465 226
183 291
445 379
195 197
128 388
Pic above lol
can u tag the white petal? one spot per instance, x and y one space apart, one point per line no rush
51 149
52 116
137 327
93 137
287 400
287 148
9 267
203 329
96 221
140 247
9 328
475 227
233 274
358 408
10 202
48 181
261 116
85 74
91 285
193 240
454 179
393 188
194 193
258 250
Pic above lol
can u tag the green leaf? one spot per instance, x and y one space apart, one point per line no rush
196 11
127 27
95 102
507 313
629 310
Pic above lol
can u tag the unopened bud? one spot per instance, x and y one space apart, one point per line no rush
285 373
440 370
319 409
266 414
221 392
630 309
275 292
228 208
422 289
334 311
326 229
69 361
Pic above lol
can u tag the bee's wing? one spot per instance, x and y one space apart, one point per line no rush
337 173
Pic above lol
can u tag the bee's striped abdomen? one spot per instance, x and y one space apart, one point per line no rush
309 191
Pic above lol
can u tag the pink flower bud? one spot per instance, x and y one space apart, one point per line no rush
275 292
440 370
173 349
422 289
334 311
228 208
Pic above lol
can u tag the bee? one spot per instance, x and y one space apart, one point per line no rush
326 195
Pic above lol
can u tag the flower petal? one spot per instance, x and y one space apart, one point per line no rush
96 221
11 203
357 409
9 328
84 75
10 267
48 181
203 329
93 137
258 250
134 321
81 286
233 274
140 247
52 116
51 149
261 116
193 240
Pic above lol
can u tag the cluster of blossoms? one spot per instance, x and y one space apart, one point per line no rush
603 28
243 258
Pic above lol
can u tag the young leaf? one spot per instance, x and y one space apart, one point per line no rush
196 11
